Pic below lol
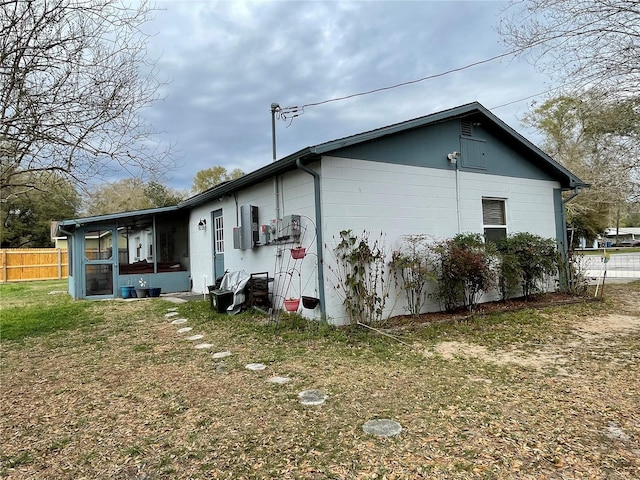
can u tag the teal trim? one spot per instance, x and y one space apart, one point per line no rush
482 121
561 237
561 221
169 282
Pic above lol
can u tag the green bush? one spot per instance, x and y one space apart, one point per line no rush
464 267
525 261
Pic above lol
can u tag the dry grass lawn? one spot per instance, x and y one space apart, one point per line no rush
551 393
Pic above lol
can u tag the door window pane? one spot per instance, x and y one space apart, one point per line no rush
98 245
99 279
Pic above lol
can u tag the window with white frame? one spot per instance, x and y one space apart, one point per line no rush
494 219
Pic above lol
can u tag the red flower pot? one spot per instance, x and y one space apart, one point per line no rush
292 304
298 253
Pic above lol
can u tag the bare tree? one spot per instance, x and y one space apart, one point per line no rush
73 79
598 138
585 44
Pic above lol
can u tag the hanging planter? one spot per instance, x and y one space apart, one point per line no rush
310 302
292 304
298 253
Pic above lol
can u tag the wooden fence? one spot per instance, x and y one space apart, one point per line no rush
23 264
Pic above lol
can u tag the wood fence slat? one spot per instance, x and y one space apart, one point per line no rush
24 264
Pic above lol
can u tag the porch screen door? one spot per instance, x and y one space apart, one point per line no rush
218 244
100 251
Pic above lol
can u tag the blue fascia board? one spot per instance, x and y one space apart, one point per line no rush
78 222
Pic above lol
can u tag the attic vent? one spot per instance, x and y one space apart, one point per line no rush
465 126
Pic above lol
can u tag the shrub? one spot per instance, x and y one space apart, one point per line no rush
464 270
360 276
412 272
526 258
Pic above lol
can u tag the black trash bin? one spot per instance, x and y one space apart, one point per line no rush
221 300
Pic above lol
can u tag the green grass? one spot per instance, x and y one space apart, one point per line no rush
30 310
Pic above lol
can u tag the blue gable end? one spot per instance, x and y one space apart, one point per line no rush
482 150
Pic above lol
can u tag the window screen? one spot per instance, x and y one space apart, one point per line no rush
493 212
494 219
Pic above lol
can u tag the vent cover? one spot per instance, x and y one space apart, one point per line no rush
465 126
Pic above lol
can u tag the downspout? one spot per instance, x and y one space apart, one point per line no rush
319 242
457 197
154 246
276 187
564 282
576 192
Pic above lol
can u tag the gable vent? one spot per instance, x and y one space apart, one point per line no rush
465 126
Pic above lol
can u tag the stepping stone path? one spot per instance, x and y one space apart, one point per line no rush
279 380
312 397
221 354
382 427
255 366
379 428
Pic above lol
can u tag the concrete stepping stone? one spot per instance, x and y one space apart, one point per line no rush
193 338
203 346
185 329
255 366
175 300
221 368
171 314
172 309
279 380
179 321
382 427
311 397
221 354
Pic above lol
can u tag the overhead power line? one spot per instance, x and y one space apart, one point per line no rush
289 113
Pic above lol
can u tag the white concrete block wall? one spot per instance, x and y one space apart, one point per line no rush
396 200
296 197
403 200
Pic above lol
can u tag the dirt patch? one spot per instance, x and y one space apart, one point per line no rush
538 360
550 355
608 325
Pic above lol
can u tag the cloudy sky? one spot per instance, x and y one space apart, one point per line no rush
228 61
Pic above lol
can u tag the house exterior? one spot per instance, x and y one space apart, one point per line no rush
625 236
460 170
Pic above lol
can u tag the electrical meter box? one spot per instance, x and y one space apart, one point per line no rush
266 231
290 228
249 232
236 238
